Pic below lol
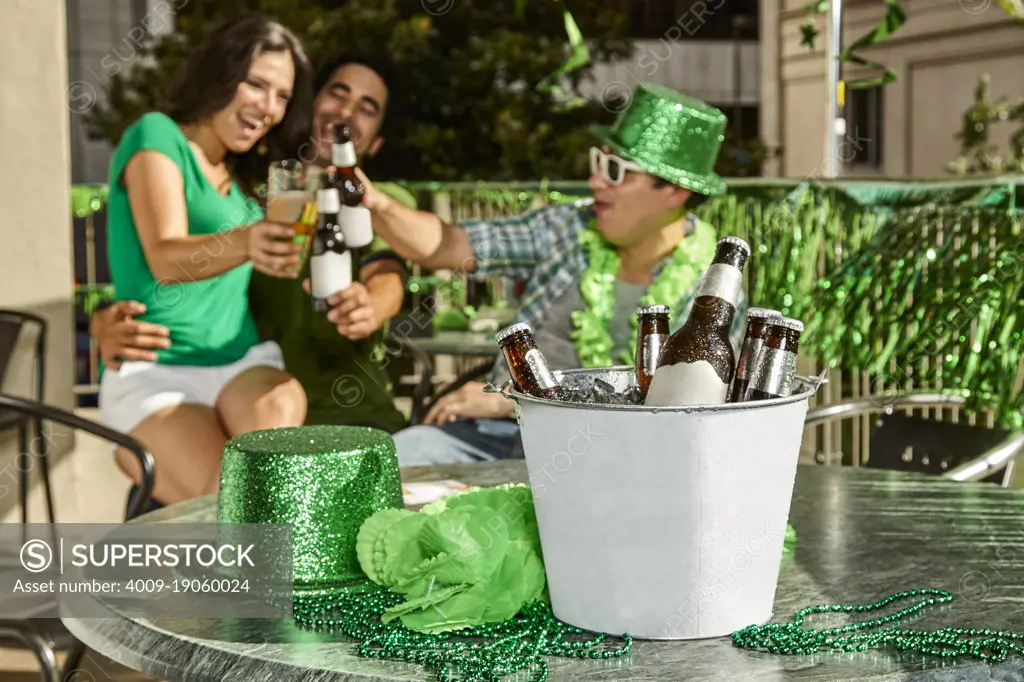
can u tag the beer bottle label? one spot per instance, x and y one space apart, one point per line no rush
653 343
356 226
329 273
343 155
751 347
774 372
722 281
540 369
328 200
687 383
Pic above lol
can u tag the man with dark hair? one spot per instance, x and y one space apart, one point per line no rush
330 356
587 265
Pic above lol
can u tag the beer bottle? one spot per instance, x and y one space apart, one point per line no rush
775 368
652 333
757 319
354 217
526 364
698 362
330 260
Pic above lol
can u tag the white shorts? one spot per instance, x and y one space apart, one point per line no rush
136 390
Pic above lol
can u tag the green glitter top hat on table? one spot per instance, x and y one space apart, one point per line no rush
323 480
671 135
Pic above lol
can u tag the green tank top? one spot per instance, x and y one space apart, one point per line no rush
209 320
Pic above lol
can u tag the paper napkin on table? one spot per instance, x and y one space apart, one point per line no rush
422 492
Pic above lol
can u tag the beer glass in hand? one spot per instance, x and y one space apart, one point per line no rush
291 200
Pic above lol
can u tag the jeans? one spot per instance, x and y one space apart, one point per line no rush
478 440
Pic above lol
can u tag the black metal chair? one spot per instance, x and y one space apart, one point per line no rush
960 452
12 324
421 405
46 634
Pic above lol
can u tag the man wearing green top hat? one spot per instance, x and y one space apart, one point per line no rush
318 350
587 265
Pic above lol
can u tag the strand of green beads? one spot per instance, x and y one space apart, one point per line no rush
486 652
792 639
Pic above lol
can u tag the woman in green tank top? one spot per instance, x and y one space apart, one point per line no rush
185 231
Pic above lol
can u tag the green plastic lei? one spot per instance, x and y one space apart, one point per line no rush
593 340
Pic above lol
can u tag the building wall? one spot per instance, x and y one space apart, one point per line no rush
704 69
939 54
103 39
36 258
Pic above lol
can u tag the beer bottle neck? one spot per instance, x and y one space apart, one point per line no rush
711 311
787 340
343 155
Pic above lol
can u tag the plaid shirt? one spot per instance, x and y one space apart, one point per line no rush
542 247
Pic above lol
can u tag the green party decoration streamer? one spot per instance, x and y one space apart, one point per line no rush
895 17
1015 8
580 56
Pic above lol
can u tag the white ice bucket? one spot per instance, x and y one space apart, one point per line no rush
664 523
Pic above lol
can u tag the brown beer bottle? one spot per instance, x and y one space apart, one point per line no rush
757 319
526 364
775 368
652 333
698 362
330 260
354 217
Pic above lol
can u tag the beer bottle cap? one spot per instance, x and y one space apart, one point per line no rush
763 313
510 330
652 310
736 241
789 323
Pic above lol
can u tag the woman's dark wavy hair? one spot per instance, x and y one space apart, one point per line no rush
209 80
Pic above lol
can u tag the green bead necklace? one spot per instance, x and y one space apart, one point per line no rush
490 652
486 652
990 646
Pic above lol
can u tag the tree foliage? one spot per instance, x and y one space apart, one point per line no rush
469 70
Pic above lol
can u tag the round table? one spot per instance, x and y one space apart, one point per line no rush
465 344
862 534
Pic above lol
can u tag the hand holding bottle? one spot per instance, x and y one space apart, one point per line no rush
373 199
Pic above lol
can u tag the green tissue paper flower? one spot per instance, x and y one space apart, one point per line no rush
471 558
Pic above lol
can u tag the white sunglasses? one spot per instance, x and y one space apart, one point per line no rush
613 168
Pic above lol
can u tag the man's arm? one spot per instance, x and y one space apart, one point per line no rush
120 336
423 237
503 247
385 280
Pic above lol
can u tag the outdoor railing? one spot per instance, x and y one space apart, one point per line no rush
902 284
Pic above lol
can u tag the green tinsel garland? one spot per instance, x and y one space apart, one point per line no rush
936 298
904 298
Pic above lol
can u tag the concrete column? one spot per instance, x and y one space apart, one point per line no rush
36 258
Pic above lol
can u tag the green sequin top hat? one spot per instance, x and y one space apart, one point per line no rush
323 480
671 135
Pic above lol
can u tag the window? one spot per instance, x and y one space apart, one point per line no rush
864 114
139 11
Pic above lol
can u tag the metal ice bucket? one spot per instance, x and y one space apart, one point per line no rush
664 523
